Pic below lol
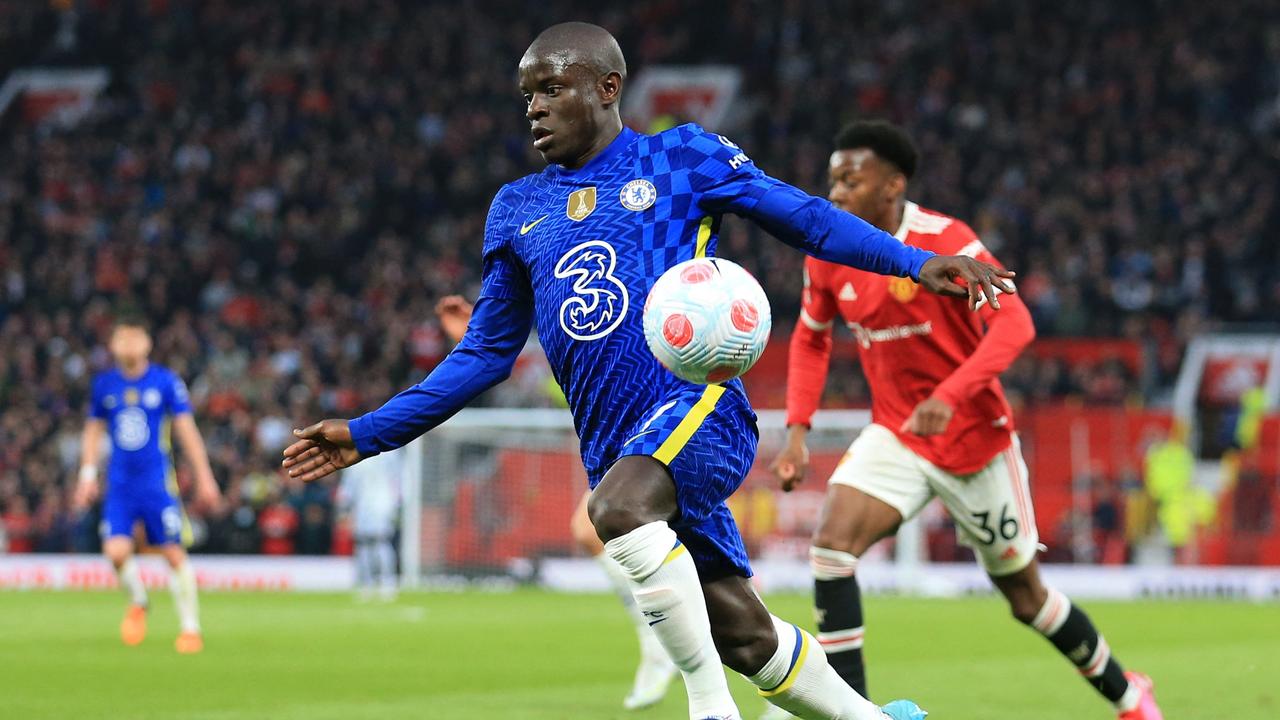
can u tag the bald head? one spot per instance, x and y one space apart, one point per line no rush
571 78
577 43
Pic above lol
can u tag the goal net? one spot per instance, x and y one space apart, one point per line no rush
496 489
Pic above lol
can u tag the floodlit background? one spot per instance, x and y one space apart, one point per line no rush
285 189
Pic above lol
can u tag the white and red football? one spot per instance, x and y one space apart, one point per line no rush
707 320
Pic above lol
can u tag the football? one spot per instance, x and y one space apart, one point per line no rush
707 320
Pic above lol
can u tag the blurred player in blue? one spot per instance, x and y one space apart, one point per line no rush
573 251
134 403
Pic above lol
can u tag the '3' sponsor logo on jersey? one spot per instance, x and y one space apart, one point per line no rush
599 300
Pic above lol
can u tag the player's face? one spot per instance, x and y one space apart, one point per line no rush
865 185
130 345
562 105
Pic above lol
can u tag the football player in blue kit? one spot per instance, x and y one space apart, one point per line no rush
573 251
135 403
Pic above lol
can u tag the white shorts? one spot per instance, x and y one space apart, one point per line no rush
991 508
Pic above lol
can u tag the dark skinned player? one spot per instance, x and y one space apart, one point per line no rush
941 425
575 249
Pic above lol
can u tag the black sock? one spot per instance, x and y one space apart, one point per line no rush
1075 637
839 609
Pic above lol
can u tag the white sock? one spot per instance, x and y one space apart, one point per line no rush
649 644
182 581
668 592
386 565
798 679
131 582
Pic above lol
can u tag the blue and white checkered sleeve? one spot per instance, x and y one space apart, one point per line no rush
724 179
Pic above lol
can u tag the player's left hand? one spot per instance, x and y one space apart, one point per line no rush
930 417
322 449
941 274
207 496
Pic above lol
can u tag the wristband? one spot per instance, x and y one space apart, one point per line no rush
88 473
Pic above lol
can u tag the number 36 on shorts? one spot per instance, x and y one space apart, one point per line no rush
991 508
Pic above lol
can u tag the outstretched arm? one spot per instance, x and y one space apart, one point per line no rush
727 181
484 358
826 232
494 338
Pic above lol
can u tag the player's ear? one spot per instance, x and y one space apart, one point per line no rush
897 185
610 88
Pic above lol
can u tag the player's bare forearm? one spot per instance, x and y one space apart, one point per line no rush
797 434
90 450
193 447
207 492
792 462
321 449
91 442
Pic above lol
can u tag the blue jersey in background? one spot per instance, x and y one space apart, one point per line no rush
140 484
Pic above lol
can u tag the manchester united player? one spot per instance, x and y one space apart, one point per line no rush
940 423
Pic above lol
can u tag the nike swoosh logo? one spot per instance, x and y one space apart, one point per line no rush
524 229
639 435
655 622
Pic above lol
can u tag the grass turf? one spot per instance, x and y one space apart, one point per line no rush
538 655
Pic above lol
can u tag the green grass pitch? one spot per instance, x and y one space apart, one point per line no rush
539 655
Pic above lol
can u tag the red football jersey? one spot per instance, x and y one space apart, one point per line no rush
913 345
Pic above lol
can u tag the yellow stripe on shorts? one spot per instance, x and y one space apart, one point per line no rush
689 425
795 670
704 236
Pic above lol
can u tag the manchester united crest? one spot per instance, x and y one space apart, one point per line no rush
903 289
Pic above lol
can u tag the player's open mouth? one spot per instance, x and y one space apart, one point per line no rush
541 136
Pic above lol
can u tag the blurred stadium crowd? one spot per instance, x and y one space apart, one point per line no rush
286 188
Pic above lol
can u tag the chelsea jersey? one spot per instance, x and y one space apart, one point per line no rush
137 412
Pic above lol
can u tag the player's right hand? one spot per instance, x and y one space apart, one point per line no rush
454 313
791 465
963 276
321 449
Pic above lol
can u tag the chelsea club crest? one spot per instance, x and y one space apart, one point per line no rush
638 195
